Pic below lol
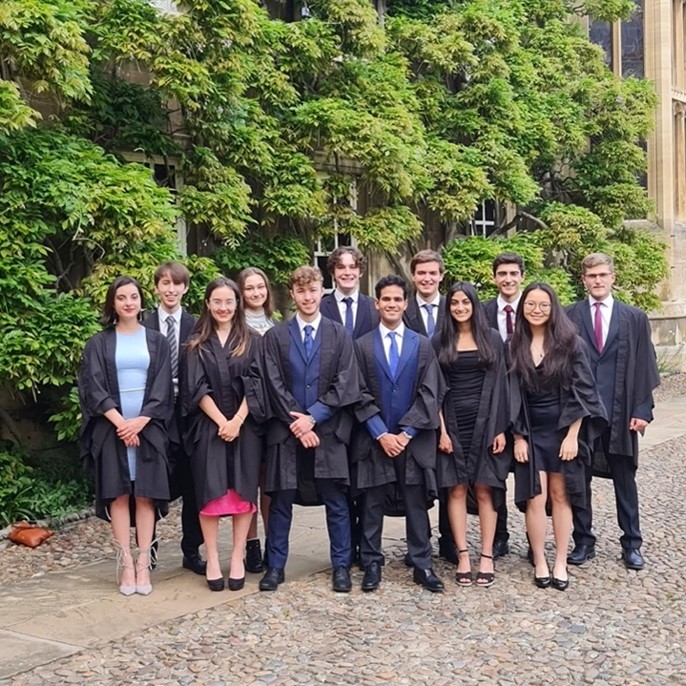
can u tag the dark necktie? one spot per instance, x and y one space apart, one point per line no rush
393 353
598 327
430 321
171 337
349 314
509 326
308 341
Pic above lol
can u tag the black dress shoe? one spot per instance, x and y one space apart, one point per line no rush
216 584
447 551
253 557
543 581
560 584
372 577
341 580
427 578
271 580
633 559
195 563
581 553
500 548
236 584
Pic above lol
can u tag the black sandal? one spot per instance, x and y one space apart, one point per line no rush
485 579
463 578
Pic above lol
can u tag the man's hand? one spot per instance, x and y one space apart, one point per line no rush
310 439
391 445
636 424
301 425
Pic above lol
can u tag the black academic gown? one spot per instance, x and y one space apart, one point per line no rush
491 312
372 467
492 419
103 453
632 378
579 401
271 399
216 464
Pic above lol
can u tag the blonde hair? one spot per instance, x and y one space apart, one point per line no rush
304 276
595 259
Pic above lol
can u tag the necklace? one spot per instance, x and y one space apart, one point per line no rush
539 354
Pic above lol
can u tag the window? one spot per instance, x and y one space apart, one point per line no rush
485 219
632 44
600 33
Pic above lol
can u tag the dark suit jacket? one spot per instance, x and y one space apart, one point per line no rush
491 312
413 317
367 317
152 321
625 371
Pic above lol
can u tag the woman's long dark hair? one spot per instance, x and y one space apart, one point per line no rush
559 342
109 316
449 333
239 338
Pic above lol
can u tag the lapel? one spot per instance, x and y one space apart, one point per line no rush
613 329
440 314
588 323
329 308
294 331
409 350
152 320
363 320
413 317
380 354
187 326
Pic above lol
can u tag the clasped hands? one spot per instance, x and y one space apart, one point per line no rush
301 428
230 429
393 444
129 429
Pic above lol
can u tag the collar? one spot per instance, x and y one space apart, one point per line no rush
608 302
339 296
315 324
502 303
163 314
384 331
436 301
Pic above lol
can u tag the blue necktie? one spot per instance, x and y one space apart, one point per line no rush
393 354
349 314
430 321
308 340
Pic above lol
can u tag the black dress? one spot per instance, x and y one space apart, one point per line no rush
544 414
467 378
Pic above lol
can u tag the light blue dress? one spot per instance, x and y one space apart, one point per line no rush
132 360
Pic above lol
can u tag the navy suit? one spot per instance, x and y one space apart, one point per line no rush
626 374
366 318
182 480
304 386
407 401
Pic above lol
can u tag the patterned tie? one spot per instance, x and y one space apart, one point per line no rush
430 321
349 314
171 337
308 340
509 327
393 353
598 327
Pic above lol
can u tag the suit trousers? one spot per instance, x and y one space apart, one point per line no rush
417 527
183 486
623 473
335 499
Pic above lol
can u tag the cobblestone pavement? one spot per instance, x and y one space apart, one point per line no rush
612 626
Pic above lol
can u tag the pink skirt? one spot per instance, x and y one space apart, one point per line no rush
229 504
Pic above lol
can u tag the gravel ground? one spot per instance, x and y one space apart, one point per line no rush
612 626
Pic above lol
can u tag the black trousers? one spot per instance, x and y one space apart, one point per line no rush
182 486
623 472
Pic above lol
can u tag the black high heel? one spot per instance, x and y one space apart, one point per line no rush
216 584
560 584
463 578
486 579
236 584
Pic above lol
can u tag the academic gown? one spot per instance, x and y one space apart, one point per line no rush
492 419
216 464
579 401
103 453
372 467
635 373
271 399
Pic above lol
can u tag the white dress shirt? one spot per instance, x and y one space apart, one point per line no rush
302 324
436 302
605 313
177 325
385 339
502 315
342 307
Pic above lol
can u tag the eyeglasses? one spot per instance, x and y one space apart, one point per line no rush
222 303
543 307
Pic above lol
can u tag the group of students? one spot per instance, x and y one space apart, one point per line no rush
369 406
